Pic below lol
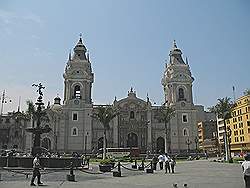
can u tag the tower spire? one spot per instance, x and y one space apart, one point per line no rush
88 55
70 55
80 50
174 44
80 39
19 100
186 60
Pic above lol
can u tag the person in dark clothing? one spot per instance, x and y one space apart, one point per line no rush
172 164
167 165
154 162
36 171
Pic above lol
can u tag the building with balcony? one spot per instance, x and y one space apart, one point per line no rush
238 126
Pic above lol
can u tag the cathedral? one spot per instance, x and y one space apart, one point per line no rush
75 130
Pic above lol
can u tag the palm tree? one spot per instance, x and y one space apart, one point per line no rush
165 114
104 115
223 110
247 92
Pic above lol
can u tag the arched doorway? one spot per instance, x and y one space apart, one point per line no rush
132 140
100 143
46 143
160 145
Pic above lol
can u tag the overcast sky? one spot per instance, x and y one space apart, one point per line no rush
129 43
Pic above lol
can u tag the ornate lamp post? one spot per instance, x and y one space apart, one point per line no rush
38 130
188 142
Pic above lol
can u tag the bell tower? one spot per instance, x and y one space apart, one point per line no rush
77 107
78 77
177 80
177 84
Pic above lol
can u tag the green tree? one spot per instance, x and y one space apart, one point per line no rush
104 114
223 110
164 115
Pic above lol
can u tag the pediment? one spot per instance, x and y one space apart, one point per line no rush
131 104
181 77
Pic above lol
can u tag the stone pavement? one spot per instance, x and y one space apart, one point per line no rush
196 174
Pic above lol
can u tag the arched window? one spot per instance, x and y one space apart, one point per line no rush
74 131
185 132
16 134
77 92
181 93
132 115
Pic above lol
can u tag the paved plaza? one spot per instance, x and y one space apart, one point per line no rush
196 174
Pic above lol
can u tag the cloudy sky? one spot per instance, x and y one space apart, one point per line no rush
129 43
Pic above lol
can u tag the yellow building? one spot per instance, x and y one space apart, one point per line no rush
239 125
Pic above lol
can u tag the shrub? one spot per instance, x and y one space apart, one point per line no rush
107 161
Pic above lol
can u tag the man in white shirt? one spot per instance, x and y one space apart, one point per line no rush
246 170
161 159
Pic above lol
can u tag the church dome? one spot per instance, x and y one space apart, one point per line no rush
57 104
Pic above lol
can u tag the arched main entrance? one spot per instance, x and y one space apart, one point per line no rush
132 140
46 143
160 145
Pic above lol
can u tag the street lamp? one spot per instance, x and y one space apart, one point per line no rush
196 143
85 144
130 144
188 142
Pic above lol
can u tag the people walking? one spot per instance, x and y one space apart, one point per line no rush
154 162
172 164
246 170
36 171
167 164
161 159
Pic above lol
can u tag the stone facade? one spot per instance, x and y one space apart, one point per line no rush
137 124
177 82
12 131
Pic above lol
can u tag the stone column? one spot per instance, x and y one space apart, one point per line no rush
115 132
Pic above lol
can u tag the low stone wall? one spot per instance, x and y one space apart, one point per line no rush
26 162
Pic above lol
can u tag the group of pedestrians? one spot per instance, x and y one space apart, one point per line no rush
164 160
